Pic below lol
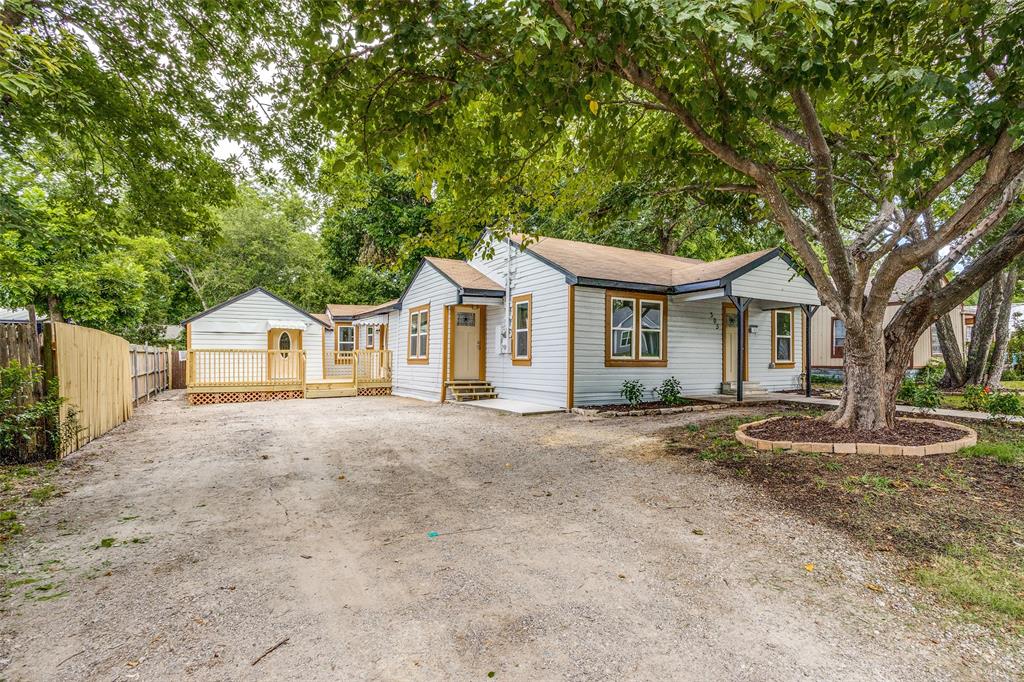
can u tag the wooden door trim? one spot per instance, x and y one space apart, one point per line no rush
746 342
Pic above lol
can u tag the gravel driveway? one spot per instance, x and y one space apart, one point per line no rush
566 549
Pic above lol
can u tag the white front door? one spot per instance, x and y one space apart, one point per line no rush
466 364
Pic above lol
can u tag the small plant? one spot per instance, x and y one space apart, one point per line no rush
1011 375
670 392
633 392
1003 403
976 397
30 429
920 393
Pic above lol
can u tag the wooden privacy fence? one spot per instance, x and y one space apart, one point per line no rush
19 341
151 371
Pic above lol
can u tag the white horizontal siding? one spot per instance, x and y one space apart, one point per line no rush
544 380
413 380
243 325
775 281
694 351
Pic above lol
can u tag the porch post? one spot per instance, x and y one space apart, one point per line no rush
809 311
741 338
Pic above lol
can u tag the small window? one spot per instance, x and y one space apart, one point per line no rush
346 338
782 338
284 343
465 319
936 346
370 334
636 329
838 337
419 335
522 329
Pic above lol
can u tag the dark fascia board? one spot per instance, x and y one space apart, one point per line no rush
246 294
424 261
774 253
616 284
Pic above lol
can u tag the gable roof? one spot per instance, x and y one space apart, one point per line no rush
239 297
598 265
463 275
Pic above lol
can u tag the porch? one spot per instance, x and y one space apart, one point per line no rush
244 375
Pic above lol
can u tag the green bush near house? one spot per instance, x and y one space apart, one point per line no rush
1003 403
633 392
670 392
30 430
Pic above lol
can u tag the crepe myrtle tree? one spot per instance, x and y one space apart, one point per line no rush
848 121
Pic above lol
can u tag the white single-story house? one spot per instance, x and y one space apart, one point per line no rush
550 321
828 333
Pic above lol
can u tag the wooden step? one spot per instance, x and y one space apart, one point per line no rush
461 398
320 392
471 390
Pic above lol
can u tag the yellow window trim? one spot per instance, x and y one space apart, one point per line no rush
791 363
526 360
636 360
419 359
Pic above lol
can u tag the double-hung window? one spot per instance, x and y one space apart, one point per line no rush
419 335
782 338
522 329
635 332
346 337
370 333
838 337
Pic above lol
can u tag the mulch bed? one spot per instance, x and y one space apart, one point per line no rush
653 405
803 430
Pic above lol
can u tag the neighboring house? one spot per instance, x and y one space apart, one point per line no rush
969 312
20 316
553 322
828 333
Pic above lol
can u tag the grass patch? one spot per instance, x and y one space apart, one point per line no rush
918 507
982 584
43 492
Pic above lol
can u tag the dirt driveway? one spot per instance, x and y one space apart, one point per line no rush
191 540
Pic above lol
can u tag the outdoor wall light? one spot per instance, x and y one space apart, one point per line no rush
753 329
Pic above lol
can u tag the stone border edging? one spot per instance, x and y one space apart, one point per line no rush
640 413
943 448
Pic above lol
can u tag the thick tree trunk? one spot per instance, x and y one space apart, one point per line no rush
984 331
997 358
952 354
53 308
869 388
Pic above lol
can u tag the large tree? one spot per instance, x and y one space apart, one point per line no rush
848 121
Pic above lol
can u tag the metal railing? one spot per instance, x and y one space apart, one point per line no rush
228 368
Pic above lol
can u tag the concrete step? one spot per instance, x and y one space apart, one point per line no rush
749 388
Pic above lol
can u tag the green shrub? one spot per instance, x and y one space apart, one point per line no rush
670 392
976 398
30 430
1003 403
1011 375
633 391
920 394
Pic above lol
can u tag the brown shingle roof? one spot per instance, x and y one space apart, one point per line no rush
464 275
594 261
346 310
322 317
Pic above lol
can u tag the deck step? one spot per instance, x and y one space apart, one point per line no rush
319 392
749 388
471 390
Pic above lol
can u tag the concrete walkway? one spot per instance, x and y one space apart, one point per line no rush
520 408
797 399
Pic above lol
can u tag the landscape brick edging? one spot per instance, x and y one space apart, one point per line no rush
640 413
946 447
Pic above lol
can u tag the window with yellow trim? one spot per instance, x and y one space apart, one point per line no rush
522 329
782 338
419 333
635 332
346 338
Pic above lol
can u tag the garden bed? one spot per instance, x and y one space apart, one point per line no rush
647 408
912 437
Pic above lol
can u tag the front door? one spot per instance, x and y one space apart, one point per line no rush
466 363
284 364
729 340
